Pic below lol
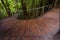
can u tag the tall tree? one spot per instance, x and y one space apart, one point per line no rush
6 6
32 7
9 11
24 8
40 9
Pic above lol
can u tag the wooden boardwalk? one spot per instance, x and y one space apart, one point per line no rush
41 28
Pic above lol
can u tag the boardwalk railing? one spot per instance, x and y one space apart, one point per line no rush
36 11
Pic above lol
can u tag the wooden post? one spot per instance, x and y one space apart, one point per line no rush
42 9
55 3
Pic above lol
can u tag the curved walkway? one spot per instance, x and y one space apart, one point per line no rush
9 22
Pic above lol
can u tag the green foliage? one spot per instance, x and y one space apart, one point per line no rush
2 11
16 5
12 6
44 2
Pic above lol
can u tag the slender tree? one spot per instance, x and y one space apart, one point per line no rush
39 5
32 7
6 6
24 8
9 11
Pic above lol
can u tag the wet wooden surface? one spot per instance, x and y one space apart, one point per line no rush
41 28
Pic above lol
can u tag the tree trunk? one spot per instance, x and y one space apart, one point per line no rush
24 9
32 7
9 11
40 9
7 8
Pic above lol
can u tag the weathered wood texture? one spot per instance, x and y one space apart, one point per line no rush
41 28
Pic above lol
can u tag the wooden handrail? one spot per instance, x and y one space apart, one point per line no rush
36 8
